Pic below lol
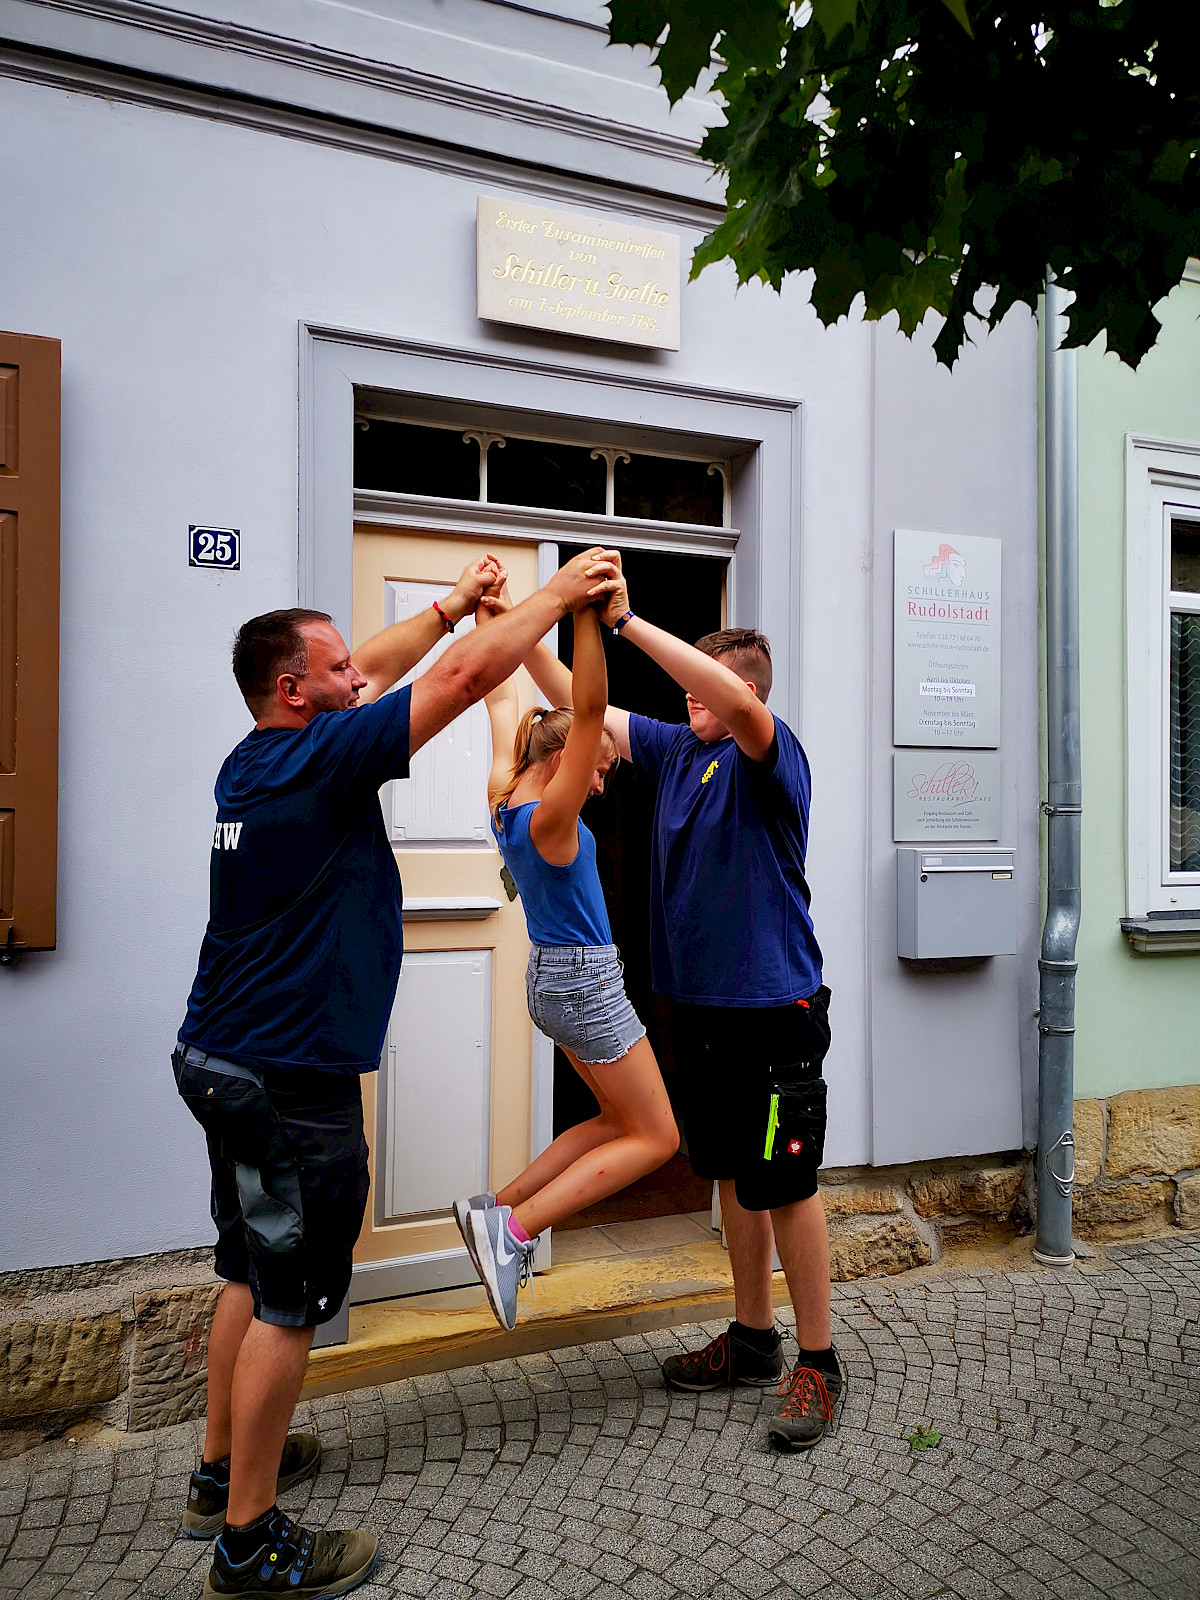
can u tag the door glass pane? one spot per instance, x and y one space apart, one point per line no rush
405 458
1185 557
667 490
1185 742
559 477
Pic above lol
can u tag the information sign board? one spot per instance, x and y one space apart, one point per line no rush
939 796
946 648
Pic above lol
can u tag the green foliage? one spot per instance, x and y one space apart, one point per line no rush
924 1438
939 155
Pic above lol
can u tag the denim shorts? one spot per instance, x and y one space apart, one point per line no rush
577 997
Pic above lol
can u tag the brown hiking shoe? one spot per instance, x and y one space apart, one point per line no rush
208 1492
295 1561
807 1414
725 1362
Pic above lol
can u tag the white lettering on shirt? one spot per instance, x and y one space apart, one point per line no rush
226 835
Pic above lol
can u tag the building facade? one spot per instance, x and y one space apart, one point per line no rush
253 229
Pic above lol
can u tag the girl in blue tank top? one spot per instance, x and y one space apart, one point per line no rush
544 766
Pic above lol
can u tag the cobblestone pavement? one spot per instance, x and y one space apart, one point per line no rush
1069 1408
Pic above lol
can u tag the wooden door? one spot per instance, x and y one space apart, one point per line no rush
450 1111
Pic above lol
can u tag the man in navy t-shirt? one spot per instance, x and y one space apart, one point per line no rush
294 987
733 948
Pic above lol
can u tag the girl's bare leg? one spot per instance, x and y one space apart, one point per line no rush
643 1134
563 1153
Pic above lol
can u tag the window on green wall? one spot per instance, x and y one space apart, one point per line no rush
1162 657
1183 839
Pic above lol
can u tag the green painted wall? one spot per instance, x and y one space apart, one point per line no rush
1137 1016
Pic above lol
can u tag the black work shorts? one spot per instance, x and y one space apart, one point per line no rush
289 1181
752 1096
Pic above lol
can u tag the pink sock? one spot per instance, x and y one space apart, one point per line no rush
517 1231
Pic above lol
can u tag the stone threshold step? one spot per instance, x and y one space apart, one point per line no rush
576 1302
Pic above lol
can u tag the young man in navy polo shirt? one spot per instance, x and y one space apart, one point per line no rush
733 948
291 1001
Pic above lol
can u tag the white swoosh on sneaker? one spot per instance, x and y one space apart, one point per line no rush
504 1251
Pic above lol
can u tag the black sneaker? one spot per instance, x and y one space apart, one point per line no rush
812 1399
296 1561
208 1492
724 1363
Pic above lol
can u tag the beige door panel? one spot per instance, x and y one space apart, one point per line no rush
447 1108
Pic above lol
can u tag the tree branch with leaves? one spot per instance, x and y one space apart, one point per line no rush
936 155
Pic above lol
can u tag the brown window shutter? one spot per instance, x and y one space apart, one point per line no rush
29 479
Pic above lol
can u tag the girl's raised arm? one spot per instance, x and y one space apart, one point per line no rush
504 712
554 825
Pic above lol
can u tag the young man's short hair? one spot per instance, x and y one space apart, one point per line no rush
743 651
268 646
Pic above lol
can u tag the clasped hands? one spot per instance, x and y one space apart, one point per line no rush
593 578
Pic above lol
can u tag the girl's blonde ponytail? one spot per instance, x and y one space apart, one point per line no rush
540 733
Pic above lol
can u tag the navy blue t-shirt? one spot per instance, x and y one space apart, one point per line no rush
300 959
729 920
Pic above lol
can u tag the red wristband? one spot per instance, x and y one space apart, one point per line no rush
444 617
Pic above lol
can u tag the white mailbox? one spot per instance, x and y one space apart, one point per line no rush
959 902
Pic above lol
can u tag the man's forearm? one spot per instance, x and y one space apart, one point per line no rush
388 656
710 682
494 653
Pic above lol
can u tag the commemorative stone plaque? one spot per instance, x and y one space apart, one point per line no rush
945 796
946 661
597 277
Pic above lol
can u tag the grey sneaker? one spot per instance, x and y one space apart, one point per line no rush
462 1209
505 1264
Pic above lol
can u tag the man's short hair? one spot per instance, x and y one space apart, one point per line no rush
743 651
267 646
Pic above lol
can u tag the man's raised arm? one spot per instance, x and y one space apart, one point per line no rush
730 698
475 665
384 659
554 679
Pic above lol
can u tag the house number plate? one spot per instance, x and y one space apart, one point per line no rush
215 547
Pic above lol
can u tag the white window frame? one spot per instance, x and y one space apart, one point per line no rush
1162 482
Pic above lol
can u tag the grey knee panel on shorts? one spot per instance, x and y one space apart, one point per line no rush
275 1225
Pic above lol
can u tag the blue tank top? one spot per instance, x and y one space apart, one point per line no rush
563 905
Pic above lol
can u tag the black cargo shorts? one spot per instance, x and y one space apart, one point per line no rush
289 1181
752 1096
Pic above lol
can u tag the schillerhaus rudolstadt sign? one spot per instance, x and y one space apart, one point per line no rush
946 661
594 276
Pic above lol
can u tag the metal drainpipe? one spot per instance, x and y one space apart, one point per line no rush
1056 1015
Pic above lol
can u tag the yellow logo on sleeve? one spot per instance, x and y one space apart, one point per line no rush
712 767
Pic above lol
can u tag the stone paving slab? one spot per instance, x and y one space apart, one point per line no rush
1068 1404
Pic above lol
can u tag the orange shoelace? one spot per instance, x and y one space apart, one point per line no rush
709 1354
803 1386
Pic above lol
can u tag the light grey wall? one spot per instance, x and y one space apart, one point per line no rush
957 455
176 255
535 85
